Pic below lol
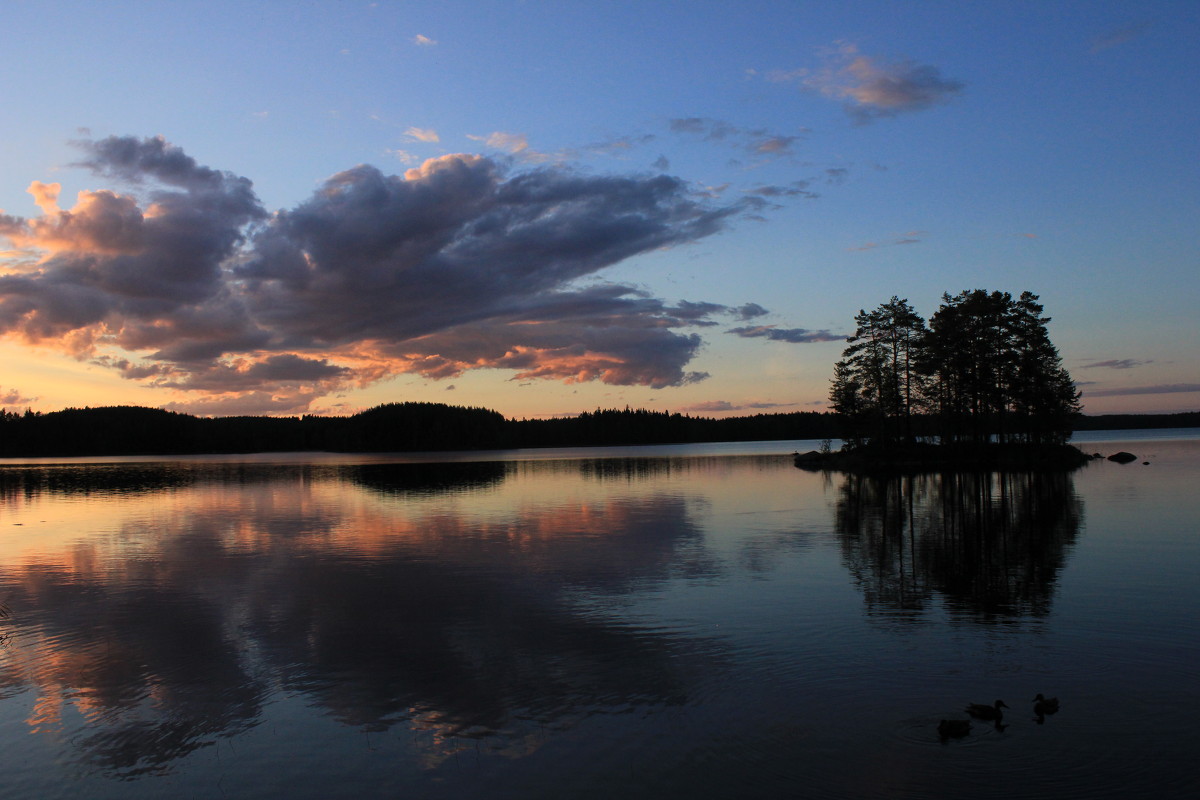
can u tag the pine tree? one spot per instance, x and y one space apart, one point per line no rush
984 369
876 384
994 371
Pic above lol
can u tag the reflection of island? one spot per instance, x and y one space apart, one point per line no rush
992 544
427 478
382 614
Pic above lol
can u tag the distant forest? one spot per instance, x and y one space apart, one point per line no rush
400 427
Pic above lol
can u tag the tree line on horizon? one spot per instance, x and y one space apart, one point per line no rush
400 427
393 427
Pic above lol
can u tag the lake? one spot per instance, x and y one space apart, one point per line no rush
678 621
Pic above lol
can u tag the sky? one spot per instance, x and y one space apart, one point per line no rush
544 208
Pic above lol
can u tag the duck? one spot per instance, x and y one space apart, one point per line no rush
954 727
981 711
1044 705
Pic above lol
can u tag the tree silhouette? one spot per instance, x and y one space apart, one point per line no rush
877 382
983 370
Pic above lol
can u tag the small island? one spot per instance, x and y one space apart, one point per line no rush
980 386
926 456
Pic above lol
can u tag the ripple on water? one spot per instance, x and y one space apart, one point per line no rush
923 732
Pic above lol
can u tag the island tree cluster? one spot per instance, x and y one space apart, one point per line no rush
982 369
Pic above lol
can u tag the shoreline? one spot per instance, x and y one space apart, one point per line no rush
924 457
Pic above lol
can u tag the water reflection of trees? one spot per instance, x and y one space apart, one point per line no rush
991 544
642 467
28 481
453 625
124 478
428 478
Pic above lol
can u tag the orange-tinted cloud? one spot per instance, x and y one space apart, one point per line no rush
183 281
873 88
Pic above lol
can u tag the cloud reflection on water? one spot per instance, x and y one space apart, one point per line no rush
173 631
476 604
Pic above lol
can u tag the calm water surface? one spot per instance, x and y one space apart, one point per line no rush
703 621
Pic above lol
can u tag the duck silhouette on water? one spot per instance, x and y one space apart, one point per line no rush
991 713
1043 706
954 728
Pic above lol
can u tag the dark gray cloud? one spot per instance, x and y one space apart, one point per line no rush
794 189
697 313
791 335
1119 363
1162 388
750 311
835 176
272 370
756 141
454 266
718 406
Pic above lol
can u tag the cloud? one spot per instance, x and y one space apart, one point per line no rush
184 281
908 238
13 397
750 311
422 134
873 89
404 157
755 141
708 128
423 40
1119 36
791 335
284 369
120 257
252 403
774 145
517 146
721 406
698 313
836 176
1119 363
45 196
710 406
794 189
1162 388
617 146
508 142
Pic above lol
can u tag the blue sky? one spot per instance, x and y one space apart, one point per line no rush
544 208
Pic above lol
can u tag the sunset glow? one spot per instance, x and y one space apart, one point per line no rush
554 208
